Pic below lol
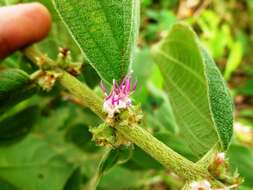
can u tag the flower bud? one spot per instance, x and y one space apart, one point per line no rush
200 185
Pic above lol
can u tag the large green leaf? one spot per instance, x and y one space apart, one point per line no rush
43 160
105 31
33 164
199 97
6 186
15 86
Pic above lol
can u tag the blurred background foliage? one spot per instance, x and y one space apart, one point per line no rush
45 143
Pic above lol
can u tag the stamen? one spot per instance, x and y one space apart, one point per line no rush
135 85
102 86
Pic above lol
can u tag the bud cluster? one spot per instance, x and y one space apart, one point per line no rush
64 60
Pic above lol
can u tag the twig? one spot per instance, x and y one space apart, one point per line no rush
142 138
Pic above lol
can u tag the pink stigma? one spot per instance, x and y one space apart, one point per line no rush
119 97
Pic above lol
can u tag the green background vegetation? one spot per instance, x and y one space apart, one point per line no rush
47 144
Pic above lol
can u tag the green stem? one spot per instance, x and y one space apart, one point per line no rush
162 153
142 138
83 93
38 58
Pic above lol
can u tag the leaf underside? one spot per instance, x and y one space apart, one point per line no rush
106 32
196 90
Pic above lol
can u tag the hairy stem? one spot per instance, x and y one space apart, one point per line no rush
38 57
83 93
142 138
158 150
162 153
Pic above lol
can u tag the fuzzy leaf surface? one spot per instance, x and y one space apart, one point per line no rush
198 94
106 32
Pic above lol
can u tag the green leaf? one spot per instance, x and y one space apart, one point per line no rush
80 136
200 100
15 86
74 182
114 157
12 79
106 32
219 99
33 164
162 116
142 67
89 76
120 178
6 186
17 125
111 158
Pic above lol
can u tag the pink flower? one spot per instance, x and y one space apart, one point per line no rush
220 158
119 97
